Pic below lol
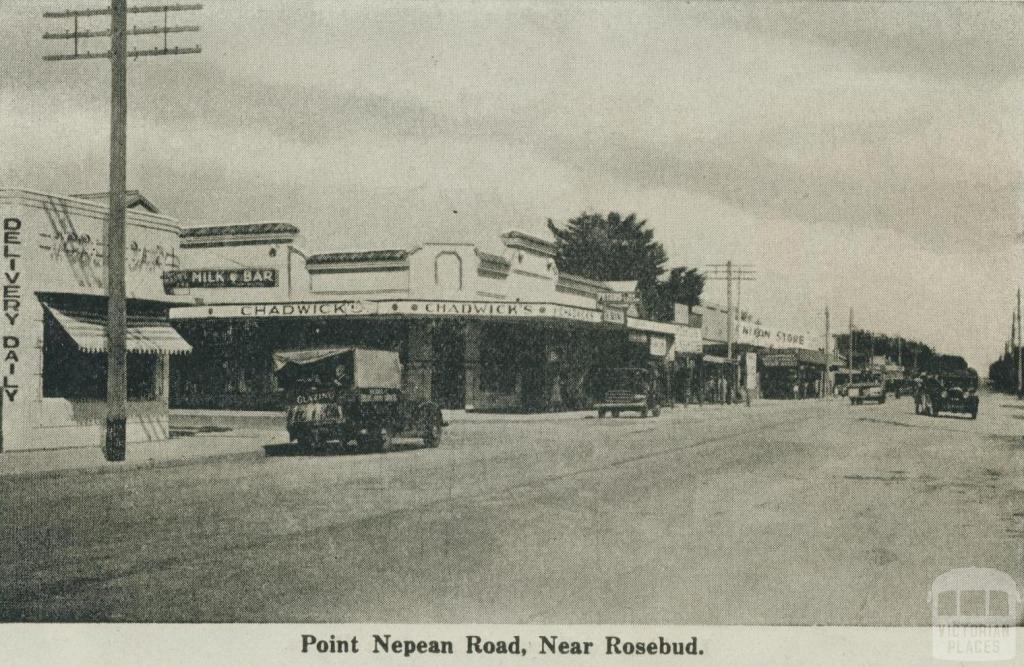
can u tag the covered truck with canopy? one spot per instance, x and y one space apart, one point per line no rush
351 394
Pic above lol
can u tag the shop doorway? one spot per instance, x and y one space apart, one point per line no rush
532 361
448 377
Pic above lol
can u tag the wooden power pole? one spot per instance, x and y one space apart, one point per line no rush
731 273
1020 357
826 389
849 361
117 307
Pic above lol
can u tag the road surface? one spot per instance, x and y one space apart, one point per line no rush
787 512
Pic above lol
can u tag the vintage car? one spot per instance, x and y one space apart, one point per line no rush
867 388
347 395
629 390
952 392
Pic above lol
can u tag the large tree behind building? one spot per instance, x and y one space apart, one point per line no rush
617 247
609 247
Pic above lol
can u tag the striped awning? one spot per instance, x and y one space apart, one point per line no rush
145 335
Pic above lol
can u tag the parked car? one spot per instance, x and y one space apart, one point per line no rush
630 390
351 395
951 392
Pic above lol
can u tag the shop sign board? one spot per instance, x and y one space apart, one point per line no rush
761 336
285 309
618 299
659 346
779 360
440 309
688 340
638 337
490 309
613 315
237 277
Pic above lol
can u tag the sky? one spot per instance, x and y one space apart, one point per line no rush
858 155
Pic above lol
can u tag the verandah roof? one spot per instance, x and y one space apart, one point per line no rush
144 335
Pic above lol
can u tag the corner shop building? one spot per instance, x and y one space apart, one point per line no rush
479 330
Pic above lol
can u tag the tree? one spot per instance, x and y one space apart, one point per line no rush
622 248
683 286
609 248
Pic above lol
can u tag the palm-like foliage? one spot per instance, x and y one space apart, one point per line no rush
616 247
609 247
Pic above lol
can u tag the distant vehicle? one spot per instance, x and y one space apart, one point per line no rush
899 387
351 394
947 392
868 388
630 390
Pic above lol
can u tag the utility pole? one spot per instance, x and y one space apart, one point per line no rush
826 389
1020 358
849 361
738 273
117 313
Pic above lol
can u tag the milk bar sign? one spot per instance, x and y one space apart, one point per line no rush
220 278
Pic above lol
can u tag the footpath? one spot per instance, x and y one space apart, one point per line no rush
201 434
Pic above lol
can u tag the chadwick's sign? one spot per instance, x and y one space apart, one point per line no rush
286 309
220 278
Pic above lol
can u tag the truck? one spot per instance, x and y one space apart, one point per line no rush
869 387
352 397
630 390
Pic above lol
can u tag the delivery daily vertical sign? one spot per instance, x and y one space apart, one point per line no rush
11 306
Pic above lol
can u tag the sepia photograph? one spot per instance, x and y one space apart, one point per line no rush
514 313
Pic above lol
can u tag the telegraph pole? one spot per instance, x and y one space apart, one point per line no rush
1020 358
117 313
849 361
738 273
826 390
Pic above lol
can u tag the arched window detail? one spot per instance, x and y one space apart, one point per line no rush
448 271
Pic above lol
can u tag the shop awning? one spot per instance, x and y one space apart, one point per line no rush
144 335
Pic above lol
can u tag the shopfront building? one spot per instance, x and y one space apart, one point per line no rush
751 342
477 330
54 318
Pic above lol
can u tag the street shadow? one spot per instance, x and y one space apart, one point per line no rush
286 449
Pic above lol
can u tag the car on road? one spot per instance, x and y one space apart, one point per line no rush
867 388
630 390
948 392
348 395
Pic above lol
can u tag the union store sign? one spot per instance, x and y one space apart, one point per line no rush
220 278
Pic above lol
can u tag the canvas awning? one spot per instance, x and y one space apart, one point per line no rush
144 335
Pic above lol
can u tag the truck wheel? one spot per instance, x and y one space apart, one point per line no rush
432 433
615 413
600 414
656 412
643 414
881 400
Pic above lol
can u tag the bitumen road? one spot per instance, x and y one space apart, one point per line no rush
786 512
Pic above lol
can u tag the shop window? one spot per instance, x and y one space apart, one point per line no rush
498 349
70 373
